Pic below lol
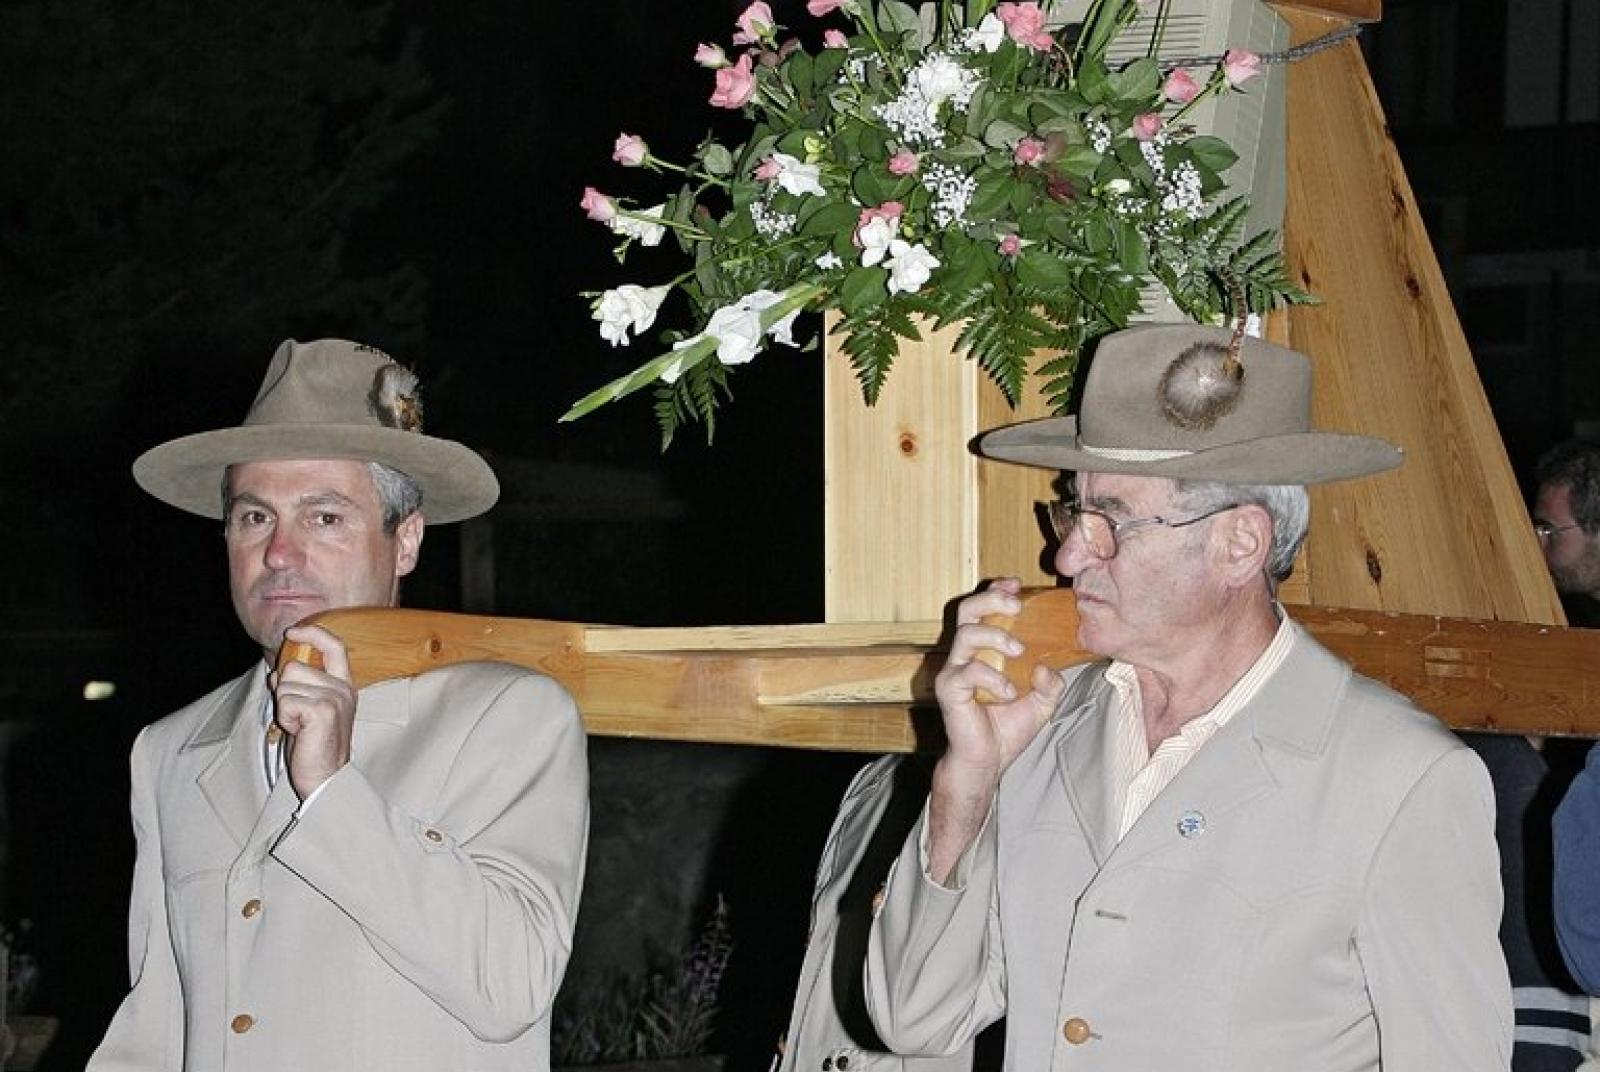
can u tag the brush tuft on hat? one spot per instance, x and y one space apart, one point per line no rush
1202 385
396 398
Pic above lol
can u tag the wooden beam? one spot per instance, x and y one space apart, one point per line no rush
869 688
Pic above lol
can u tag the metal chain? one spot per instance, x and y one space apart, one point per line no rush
1288 55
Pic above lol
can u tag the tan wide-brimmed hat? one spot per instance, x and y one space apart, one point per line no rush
1154 405
321 400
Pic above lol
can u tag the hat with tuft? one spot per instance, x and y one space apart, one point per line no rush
1137 417
325 399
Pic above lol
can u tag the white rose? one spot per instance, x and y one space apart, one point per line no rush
829 261
638 225
628 308
938 79
909 266
875 236
796 177
990 33
737 330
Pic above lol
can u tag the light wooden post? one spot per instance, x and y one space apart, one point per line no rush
912 516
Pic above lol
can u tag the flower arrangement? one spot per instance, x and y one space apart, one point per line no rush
949 163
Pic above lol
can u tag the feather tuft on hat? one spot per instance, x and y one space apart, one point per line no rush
397 398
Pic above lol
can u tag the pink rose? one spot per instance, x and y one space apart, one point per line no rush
735 85
601 209
1180 86
755 22
905 162
835 39
768 170
711 56
1239 65
1028 151
1024 24
630 150
1010 245
1146 126
819 8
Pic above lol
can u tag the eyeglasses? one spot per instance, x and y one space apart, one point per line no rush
1546 531
1100 531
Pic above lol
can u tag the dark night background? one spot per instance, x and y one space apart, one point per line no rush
186 185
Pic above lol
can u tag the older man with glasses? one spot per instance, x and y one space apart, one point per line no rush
1218 850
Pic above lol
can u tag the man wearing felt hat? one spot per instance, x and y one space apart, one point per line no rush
1218 849
331 879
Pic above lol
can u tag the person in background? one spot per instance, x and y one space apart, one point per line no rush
1567 521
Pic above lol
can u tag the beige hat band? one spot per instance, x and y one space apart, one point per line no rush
1133 454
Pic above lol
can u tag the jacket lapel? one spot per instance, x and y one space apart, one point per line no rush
1294 711
231 780
1081 758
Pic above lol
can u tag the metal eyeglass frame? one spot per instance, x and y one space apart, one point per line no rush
1066 514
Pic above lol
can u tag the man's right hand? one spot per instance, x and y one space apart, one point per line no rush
983 738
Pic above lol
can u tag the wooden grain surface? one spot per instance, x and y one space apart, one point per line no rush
810 689
1447 533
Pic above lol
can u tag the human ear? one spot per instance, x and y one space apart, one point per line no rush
1245 541
408 543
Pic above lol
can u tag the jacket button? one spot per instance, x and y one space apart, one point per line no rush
251 907
1076 1031
242 1023
433 835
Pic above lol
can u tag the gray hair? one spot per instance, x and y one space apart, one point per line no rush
1576 464
1288 505
399 495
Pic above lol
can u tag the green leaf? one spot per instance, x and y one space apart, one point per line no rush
798 67
826 66
1039 268
643 376
1095 84
897 17
1139 81
1211 153
716 159
870 183
992 195
1080 161
1003 134
831 219
863 288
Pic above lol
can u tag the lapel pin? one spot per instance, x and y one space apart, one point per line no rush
1191 824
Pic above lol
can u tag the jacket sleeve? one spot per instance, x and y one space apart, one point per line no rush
1577 875
1428 929
935 973
474 904
146 1034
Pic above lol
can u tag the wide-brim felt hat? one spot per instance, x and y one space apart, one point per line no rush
1263 435
329 399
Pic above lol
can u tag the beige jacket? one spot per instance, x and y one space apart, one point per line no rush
1317 890
829 1028
419 915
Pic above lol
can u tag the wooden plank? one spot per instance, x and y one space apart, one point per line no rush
899 529
1479 675
1355 10
1447 533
